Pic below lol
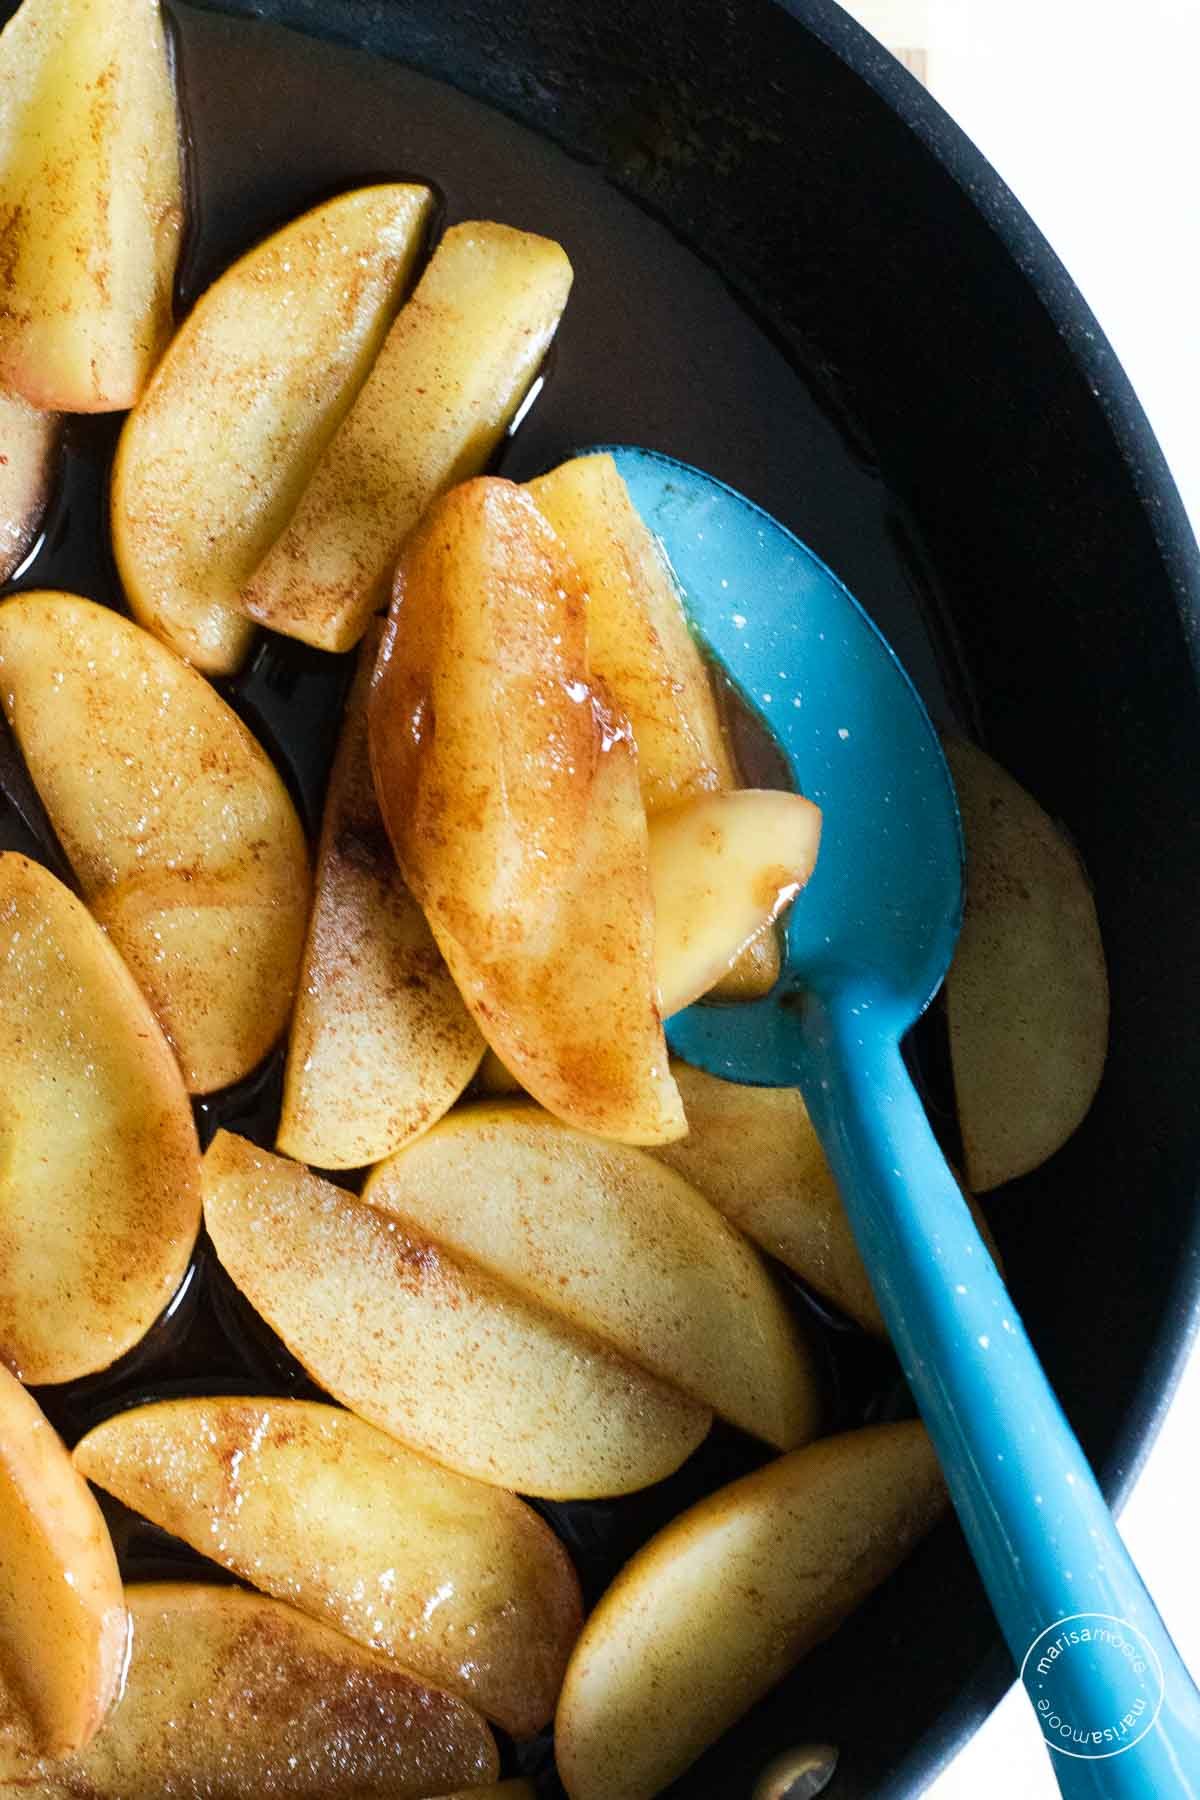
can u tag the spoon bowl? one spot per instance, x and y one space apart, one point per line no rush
868 942
882 909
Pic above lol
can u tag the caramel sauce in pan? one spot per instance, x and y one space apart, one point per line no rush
654 349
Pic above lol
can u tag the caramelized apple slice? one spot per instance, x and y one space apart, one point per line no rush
180 830
753 1153
91 203
722 869
455 367
235 1695
642 649
257 380
510 794
1027 992
463 1584
432 1349
28 442
608 1238
381 1043
63 1629
638 636
719 1606
99 1165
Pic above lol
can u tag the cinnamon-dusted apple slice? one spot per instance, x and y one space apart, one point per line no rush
256 381
1027 991
509 789
381 1043
456 365
723 867
754 1154
719 1606
464 1585
91 204
623 1247
28 442
638 636
99 1165
177 824
432 1349
63 1627
642 649
236 1695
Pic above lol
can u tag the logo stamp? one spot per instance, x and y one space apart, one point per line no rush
1067 1658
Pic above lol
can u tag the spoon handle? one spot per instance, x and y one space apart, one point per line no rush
1111 1692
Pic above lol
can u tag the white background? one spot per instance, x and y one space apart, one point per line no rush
1091 113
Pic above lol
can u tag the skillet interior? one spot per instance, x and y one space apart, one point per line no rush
888 260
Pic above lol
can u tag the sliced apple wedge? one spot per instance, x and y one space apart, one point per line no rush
463 1584
509 790
381 1043
722 869
432 1349
753 1153
91 203
185 842
456 365
1027 991
99 1165
638 635
719 1606
611 1240
216 454
642 649
28 442
63 1627
232 1694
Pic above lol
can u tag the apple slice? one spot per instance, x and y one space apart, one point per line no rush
463 1584
723 867
1027 992
91 202
456 365
432 1349
179 829
638 635
517 818
620 1246
753 1153
381 1043
722 1603
216 454
235 1695
642 649
28 445
99 1165
63 1628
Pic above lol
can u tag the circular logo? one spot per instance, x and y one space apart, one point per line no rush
1085 1665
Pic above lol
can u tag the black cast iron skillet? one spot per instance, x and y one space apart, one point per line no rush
1051 593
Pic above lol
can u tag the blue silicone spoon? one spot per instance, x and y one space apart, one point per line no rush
868 944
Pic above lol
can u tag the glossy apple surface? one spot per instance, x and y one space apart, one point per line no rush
91 201
63 1626
461 1584
99 1164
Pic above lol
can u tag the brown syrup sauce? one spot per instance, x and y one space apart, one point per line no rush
654 349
